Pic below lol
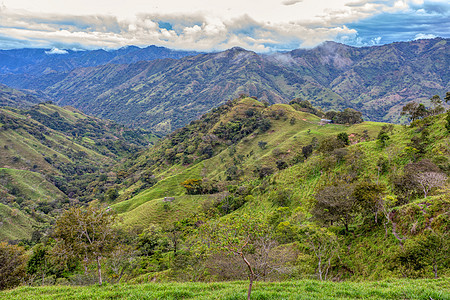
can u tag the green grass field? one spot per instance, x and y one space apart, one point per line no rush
305 289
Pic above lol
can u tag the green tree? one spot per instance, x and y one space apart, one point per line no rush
324 246
87 234
369 197
383 137
193 186
38 264
414 111
343 137
247 237
447 126
335 203
12 265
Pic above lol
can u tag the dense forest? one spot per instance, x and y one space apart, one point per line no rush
249 191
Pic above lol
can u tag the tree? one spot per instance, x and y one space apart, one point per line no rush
193 186
447 126
437 105
369 197
307 151
343 137
335 203
12 265
406 186
247 237
87 234
323 244
430 180
447 97
435 247
39 261
414 111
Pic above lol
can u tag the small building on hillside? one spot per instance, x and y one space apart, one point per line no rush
325 121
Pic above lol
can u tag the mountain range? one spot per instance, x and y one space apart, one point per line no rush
169 92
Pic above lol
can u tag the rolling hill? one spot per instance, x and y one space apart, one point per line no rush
236 168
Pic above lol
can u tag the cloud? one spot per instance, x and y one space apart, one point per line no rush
56 51
425 20
360 22
421 36
291 2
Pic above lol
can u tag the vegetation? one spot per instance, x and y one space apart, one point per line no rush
166 94
52 156
229 198
304 289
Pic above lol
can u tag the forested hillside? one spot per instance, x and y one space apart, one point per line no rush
259 192
52 157
166 94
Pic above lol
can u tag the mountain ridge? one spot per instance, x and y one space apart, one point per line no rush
165 94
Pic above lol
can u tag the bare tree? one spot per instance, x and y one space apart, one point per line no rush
430 180
324 245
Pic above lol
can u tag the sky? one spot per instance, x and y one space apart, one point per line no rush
212 25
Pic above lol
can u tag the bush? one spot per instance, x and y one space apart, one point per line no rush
12 266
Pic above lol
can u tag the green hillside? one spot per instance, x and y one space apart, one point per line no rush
16 98
15 225
52 154
260 193
290 130
264 171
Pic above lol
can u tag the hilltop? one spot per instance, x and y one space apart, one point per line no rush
166 94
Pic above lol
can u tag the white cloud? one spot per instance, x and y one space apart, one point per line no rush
422 36
56 51
291 2
194 24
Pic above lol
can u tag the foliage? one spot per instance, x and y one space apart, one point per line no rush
347 116
12 265
87 234
415 111
247 237
324 246
343 137
335 203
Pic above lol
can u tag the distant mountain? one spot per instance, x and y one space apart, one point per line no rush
165 94
48 61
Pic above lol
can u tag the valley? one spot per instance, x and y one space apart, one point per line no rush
304 174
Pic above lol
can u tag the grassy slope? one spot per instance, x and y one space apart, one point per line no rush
370 250
285 138
15 225
32 185
305 289
48 140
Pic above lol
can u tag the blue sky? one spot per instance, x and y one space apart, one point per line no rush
209 25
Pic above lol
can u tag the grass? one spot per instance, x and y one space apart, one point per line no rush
14 225
304 289
32 185
164 213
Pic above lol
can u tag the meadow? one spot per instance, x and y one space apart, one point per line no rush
304 289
